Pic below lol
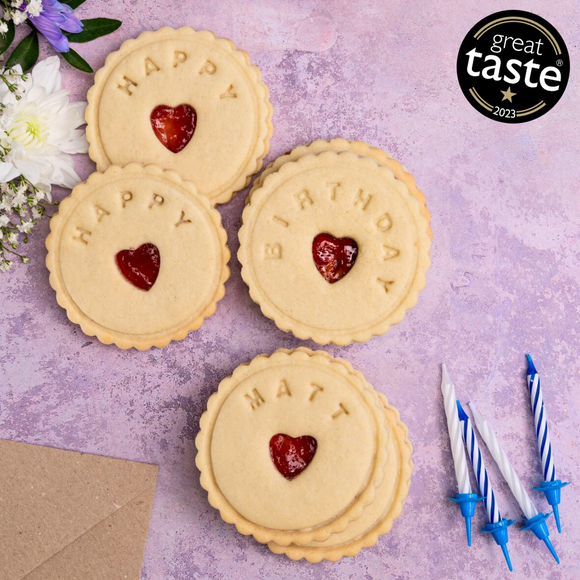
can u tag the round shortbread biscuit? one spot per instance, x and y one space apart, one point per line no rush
347 197
298 393
231 128
122 213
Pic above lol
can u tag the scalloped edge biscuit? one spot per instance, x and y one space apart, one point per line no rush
385 522
260 533
303 331
359 148
75 315
262 146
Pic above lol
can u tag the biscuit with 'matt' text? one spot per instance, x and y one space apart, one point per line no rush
292 447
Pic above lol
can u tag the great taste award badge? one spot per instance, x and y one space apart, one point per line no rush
513 66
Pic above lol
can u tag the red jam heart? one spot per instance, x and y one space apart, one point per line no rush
174 127
140 266
333 257
292 455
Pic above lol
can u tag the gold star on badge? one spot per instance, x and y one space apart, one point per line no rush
508 94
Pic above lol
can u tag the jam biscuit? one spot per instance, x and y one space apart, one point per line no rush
334 248
137 257
184 100
283 431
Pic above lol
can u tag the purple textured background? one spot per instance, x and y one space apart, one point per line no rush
504 280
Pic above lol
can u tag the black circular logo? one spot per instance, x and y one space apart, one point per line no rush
513 66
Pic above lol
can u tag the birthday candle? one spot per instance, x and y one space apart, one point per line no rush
550 486
541 422
504 464
497 526
457 450
476 459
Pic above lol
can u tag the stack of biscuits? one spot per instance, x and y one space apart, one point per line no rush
335 241
298 450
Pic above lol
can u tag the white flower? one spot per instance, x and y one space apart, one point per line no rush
4 221
18 200
3 27
19 17
36 215
25 227
17 3
43 130
5 265
34 7
12 238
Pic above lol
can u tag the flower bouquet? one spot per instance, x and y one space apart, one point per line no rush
39 127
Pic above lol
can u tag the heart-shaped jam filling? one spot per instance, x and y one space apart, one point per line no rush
292 455
174 126
333 257
140 266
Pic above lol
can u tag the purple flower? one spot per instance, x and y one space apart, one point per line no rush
54 18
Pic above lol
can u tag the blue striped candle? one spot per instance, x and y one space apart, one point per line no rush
550 486
497 526
541 422
476 459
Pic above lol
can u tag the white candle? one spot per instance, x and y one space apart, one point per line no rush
454 428
504 464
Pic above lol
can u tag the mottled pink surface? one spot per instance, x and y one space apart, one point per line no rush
504 281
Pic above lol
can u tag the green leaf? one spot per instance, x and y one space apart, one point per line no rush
72 3
6 39
76 60
94 28
25 54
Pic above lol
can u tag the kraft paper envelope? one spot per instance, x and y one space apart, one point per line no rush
72 516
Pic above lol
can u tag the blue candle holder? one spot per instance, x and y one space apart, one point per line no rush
467 503
499 531
537 524
551 490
